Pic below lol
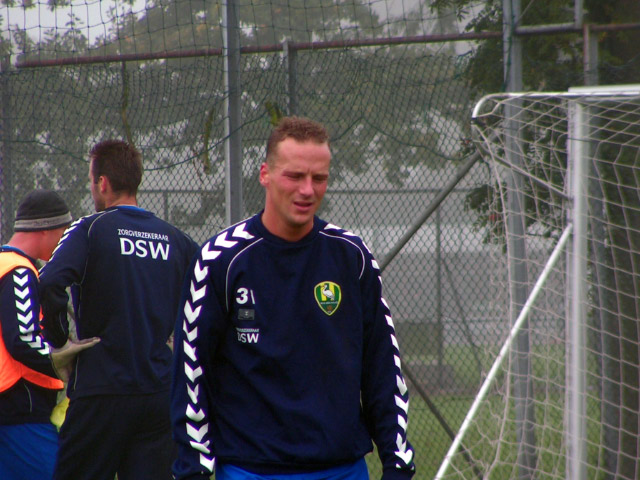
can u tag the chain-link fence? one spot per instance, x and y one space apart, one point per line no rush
399 117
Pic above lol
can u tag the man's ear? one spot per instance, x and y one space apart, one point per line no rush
264 174
103 184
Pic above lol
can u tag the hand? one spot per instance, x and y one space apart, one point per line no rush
64 356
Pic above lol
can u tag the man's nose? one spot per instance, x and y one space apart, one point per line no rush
306 186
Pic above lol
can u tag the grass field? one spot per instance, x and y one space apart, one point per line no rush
431 442
495 420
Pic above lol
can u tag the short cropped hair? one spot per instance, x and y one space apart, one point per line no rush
300 129
120 162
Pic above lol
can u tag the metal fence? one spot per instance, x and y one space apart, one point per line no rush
399 117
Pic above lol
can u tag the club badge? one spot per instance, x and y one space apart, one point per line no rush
328 296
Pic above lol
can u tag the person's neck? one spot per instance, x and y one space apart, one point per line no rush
284 231
26 242
121 201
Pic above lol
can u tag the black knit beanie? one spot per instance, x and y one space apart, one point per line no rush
41 210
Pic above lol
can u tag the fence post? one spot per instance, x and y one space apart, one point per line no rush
291 62
6 176
233 113
590 56
522 383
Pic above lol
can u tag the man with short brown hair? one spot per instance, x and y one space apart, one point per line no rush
286 363
125 267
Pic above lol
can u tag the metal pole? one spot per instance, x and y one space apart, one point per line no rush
233 113
6 169
576 367
578 13
439 321
522 382
590 56
291 59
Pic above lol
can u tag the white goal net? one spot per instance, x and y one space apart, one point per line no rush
560 399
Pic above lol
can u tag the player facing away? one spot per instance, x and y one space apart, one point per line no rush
286 363
125 267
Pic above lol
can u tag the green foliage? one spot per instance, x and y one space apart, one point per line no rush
274 111
174 106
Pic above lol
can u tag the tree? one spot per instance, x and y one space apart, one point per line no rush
172 108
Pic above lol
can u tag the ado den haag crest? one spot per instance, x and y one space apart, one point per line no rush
328 296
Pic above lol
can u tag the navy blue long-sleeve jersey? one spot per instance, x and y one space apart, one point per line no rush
125 267
286 358
24 402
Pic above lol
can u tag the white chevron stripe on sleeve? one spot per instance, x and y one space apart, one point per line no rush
21 293
45 351
401 384
25 318
193 393
201 447
36 342
208 463
189 351
23 306
199 272
401 443
402 422
191 373
240 232
405 456
20 277
193 415
191 334
389 320
403 404
190 313
27 330
221 241
197 294
208 254
197 433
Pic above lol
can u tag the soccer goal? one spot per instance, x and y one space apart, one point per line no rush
560 396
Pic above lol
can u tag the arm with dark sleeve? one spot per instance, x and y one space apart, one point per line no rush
64 269
385 398
197 332
20 321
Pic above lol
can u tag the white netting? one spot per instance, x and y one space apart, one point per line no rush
557 379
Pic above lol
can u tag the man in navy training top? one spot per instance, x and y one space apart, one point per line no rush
31 372
286 361
125 267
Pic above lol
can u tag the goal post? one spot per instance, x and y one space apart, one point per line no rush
561 398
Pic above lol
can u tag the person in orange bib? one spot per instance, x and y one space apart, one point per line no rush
31 371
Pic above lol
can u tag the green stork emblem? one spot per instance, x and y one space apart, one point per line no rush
328 296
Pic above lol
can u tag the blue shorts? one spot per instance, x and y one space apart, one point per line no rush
28 451
351 471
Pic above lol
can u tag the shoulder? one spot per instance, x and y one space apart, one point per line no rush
354 247
13 261
85 222
231 241
344 236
